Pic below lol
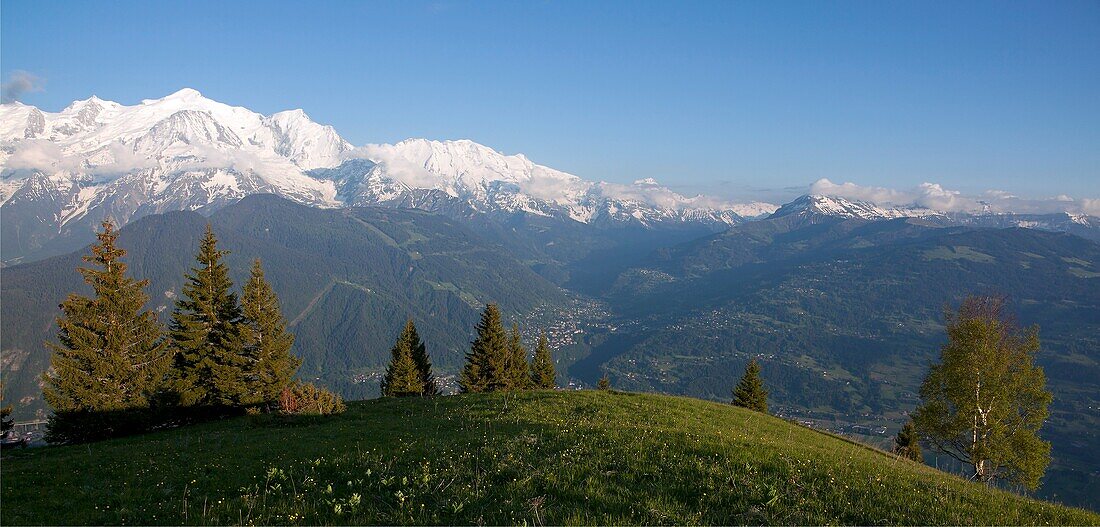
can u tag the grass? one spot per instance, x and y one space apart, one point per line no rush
536 458
961 252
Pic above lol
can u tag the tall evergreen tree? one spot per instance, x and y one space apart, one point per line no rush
487 361
402 378
906 443
420 356
985 401
750 392
519 371
543 375
271 366
211 364
112 356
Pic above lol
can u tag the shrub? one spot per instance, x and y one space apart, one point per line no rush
307 399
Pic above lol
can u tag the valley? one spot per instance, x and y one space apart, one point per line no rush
840 300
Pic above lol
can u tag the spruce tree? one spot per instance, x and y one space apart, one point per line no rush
519 372
487 360
112 356
210 367
420 356
271 366
906 443
543 375
604 383
402 378
750 392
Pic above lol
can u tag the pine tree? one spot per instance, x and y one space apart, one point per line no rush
985 401
206 331
487 360
543 375
112 356
906 443
750 392
271 366
402 378
604 383
519 372
420 356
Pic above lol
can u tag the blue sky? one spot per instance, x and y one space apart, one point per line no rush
738 99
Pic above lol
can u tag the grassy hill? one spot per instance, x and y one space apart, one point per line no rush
845 317
539 458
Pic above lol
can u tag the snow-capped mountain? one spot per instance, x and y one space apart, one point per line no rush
422 173
816 206
62 173
810 209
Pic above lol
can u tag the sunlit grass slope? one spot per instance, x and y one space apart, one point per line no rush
540 458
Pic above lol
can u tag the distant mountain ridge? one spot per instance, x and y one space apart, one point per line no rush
812 209
62 173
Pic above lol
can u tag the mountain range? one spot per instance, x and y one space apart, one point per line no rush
65 172
62 173
840 299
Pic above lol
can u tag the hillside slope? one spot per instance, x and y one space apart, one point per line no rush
845 316
539 458
347 280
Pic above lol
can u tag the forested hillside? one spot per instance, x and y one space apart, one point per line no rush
348 279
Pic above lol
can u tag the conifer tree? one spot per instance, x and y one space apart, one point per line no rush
402 378
112 356
604 383
985 401
487 360
906 443
420 356
210 367
271 366
543 375
519 372
750 392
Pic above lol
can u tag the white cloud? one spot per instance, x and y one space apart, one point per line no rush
47 156
935 196
40 154
398 167
118 159
849 190
650 192
1090 207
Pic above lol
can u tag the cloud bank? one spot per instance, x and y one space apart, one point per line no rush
935 196
46 156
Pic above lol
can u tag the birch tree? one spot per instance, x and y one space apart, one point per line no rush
985 400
